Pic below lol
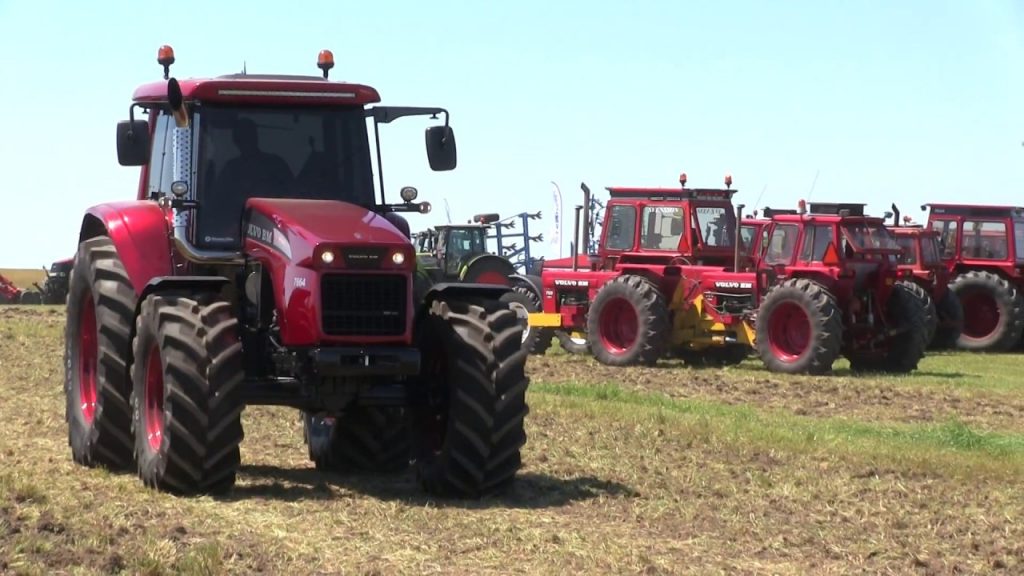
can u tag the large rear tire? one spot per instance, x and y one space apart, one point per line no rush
468 434
799 328
907 312
993 311
931 314
362 438
523 300
31 298
628 322
187 394
951 321
97 349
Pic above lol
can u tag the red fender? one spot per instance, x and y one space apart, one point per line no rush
139 230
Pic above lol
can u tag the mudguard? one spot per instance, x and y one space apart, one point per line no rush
193 284
459 290
139 231
528 280
497 264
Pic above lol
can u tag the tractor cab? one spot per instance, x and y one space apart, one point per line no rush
982 247
662 225
458 252
754 233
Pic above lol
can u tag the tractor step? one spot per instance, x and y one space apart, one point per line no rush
545 320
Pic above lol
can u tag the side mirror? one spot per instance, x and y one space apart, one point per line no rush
132 142
441 148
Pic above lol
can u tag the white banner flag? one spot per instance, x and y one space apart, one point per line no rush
556 234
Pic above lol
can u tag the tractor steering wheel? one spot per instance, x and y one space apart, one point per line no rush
680 261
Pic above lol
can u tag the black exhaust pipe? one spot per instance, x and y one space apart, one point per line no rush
739 238
895 215
576 237
586 217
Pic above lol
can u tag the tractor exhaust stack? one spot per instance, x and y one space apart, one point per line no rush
739 238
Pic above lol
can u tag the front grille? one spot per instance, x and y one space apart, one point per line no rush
363 305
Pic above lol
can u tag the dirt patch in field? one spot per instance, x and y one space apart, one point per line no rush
863 398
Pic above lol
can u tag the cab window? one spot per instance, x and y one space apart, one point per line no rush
621 227
782 244
663 227
816 241
984 240
948 231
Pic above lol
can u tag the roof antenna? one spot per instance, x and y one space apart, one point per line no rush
758 201
811 192
243 68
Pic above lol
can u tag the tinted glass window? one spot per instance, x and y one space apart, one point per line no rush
314 153
621 224
782 244
1018 239
816 240
663 227
947 230
908 244
161 160
984 240
716 225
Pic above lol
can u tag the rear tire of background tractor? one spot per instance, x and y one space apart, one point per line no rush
187 394
905 310
361 439
572 344
950 322
468 435
97 349
31 298
523 301
628 322
993 311
931 314
799 328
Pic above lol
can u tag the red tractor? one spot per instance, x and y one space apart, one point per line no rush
983 250
660 281
920 259
835 289
11 294
257 266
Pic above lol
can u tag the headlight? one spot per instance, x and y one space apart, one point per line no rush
327 256
398 258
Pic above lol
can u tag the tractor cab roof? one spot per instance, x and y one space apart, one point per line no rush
682 193
975 210
262 89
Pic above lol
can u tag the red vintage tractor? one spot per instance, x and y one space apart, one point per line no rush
982 247
835 289
257 266
660 282
11 294
920 259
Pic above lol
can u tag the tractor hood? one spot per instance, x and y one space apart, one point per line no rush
295 228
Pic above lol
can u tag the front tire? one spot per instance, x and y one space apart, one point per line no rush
628 322
931 315
799 329
573 343
523 300
97 349
469 432
187 394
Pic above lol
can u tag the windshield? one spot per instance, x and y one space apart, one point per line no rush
716 225
907 244
302 153
866 236
663 227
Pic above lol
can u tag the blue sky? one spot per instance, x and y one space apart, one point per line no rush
913 101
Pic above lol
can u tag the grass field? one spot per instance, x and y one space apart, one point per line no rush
23 278
651 471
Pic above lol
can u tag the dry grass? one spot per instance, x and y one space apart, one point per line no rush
618 479
24 277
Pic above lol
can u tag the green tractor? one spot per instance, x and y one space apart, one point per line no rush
458 253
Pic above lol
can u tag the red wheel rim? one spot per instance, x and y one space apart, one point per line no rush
87 358
981 314
154 399
619 326
789 331
490 277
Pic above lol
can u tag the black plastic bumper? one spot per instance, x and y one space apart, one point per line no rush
366 361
